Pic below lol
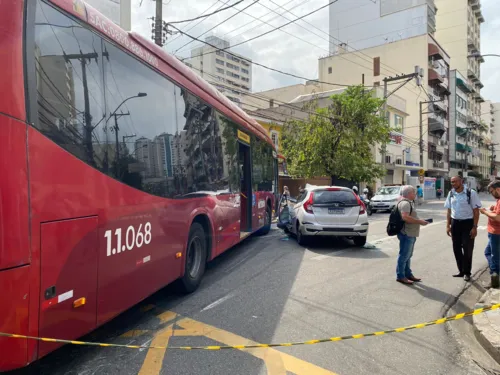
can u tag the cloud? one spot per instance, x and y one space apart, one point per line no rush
297 53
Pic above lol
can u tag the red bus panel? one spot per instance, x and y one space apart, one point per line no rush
14 304
68 273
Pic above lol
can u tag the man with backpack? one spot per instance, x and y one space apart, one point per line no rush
463 206
405 223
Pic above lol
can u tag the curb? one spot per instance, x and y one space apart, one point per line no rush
488 337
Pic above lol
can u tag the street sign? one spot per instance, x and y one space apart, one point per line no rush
421 172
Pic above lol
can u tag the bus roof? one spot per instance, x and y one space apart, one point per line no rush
169 65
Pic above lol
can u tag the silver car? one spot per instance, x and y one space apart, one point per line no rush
385 198
330 211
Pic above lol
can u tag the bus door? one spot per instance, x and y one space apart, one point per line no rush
246 193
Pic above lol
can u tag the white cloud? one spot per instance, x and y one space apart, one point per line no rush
283 51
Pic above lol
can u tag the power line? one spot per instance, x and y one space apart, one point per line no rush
198 23
258 64
270 31
206 15
220 23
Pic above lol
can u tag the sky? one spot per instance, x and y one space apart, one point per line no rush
296 47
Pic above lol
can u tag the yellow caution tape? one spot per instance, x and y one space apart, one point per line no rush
309 342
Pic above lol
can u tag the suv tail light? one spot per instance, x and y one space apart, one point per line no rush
362 207
308 204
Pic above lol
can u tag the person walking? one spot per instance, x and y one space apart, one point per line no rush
420 195
439 193
408 235
462 217
492 251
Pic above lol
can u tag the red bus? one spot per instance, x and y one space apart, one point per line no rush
123 172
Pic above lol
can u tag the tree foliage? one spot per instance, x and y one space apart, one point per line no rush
338 140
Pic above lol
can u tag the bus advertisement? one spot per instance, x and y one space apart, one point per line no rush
123 172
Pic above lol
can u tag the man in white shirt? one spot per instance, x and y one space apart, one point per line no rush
463 206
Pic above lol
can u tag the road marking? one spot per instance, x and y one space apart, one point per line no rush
276 362
218 302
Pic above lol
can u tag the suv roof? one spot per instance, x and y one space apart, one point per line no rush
316 187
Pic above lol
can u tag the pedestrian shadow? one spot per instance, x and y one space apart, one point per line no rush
448 300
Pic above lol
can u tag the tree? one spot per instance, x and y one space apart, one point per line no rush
337 141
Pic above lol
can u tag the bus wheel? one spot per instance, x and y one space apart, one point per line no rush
267 222
196 255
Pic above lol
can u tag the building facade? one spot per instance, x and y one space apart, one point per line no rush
385 60
353 22
400 157
229 72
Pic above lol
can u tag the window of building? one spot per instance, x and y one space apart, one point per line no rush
219 61
275 138
330 70
219 53
398 122
219 70
173 150
245 71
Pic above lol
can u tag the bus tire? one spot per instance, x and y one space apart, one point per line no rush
196 255
267 222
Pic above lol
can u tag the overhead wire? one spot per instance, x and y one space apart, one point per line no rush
273 30
220 23
198 23
206 15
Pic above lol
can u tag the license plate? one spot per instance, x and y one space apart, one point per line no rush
336 211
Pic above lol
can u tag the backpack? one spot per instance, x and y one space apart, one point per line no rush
396 222
467 191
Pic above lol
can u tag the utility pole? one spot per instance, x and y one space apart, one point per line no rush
158 23
466 153
421 127
83 57
417 75
493 157
116 129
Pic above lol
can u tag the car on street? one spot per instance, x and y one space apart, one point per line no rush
329 211
386 198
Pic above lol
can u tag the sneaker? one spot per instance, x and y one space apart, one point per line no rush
467 278
495 280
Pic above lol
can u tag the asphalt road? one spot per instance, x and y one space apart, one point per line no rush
269 289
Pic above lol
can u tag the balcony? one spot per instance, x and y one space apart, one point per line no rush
437 125
461 147
479 84
464 86
474 3
480 18
478 98
472 75
438 164
472 44
473 119
435 76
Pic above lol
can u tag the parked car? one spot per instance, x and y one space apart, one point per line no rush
329 211
386 198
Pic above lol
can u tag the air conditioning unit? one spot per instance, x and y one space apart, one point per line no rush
436 65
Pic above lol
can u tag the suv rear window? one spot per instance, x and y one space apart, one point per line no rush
334 196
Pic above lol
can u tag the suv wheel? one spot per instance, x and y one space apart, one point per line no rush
301 238
359 241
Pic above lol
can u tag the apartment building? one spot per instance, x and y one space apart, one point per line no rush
490 115
229 72
459 31
404 38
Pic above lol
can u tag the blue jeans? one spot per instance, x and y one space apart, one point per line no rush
406 245
492 252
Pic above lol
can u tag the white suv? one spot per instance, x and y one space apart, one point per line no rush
331 211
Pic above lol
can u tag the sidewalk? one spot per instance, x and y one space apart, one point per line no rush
487 325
